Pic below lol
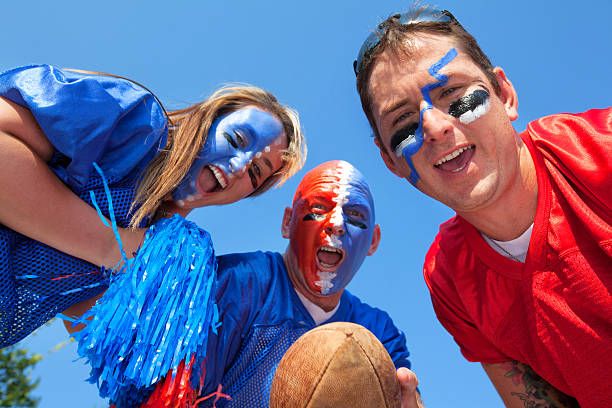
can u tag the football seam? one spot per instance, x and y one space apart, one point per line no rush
375 372
325 370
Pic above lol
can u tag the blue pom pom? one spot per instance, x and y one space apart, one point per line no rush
158 310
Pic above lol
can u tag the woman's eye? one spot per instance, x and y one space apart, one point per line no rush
240 138
230 140
320 207
257 170
252 177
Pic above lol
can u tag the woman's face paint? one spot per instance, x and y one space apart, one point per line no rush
332 225
407 141
233 141
470 107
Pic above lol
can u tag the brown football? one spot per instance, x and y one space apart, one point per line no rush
336 365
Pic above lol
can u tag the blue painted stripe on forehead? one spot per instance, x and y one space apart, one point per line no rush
433 70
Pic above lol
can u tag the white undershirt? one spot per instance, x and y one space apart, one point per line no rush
516 247
318 315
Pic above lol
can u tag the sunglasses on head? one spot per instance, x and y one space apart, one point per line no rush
424 16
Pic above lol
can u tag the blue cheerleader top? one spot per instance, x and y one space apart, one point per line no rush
87 118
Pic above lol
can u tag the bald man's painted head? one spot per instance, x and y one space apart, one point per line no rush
332 225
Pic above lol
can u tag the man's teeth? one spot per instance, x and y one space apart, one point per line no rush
219 176
452 155
329 249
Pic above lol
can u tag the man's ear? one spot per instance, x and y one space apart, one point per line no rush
375 240
387 159
508 94
286 226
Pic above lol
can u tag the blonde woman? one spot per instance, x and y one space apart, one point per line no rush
55 124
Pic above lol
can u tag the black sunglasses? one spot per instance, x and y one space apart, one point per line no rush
425 16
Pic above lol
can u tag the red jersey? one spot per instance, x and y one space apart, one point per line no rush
554 312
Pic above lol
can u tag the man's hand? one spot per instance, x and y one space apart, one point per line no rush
408 388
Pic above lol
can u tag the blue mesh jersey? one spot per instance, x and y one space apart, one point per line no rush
87 118
261 317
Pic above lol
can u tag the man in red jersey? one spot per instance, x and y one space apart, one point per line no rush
522 276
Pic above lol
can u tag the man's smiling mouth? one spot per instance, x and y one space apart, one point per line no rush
457 160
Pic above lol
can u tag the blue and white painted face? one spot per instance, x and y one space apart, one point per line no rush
234 143
444 122
332 225
408 140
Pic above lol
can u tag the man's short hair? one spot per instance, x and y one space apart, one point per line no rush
395 37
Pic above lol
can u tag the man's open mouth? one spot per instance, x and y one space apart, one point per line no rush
329 257
457 160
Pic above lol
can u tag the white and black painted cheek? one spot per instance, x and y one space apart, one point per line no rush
403 138
471 107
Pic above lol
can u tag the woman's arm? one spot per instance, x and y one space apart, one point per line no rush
35 203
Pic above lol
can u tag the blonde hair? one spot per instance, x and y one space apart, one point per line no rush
187 132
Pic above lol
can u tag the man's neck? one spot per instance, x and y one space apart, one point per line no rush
513 212
325 302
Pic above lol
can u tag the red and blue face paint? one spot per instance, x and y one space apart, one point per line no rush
332 225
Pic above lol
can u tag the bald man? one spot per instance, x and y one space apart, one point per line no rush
268 300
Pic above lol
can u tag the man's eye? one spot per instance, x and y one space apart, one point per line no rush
313 217
356 218
319 207
354 214
447 92
230 140
402 117
257 170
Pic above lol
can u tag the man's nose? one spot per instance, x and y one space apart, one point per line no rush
437 125
335 229
335 224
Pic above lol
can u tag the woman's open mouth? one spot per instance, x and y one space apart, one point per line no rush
328 258
212 179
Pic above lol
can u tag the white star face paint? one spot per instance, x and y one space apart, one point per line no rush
471 107
332 226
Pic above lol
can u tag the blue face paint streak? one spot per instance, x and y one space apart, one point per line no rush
232 141
414 146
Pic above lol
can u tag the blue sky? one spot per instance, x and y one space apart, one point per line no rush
556 53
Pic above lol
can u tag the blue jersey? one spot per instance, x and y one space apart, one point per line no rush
262 317
87 118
